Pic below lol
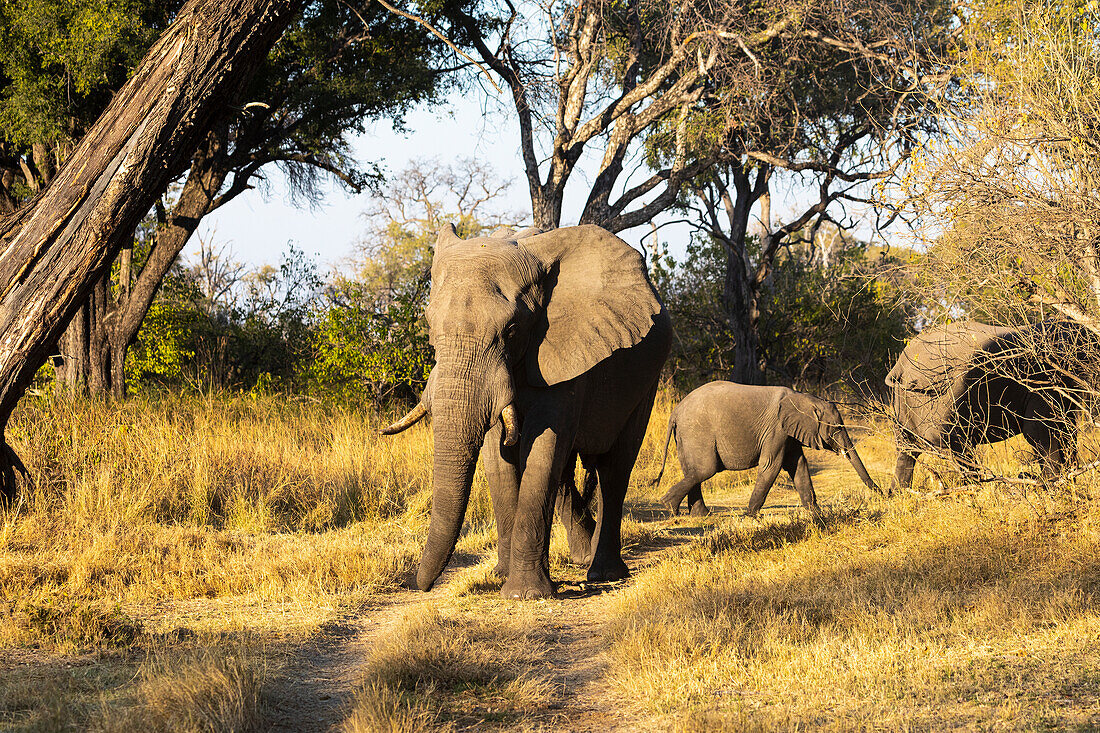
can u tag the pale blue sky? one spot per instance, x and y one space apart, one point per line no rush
258 225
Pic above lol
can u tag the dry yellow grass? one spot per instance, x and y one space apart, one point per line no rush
981 609
269 512
212 687
208 693
447 670
273 516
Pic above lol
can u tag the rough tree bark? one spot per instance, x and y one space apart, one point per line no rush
55 250
93 349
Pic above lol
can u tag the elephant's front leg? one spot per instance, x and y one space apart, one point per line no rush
529 564
796 466
502 470
765 477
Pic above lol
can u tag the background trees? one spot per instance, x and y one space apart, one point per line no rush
337 68
702 106
830 317
371 339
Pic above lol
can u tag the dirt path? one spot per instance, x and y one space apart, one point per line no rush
318 681
316 685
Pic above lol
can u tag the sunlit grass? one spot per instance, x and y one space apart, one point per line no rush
164 517
977 609
243 504
440 671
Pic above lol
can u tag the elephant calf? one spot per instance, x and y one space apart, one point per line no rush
729 426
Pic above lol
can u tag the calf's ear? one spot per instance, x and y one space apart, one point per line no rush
800 418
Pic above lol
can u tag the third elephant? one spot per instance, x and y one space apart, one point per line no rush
964 384
730 426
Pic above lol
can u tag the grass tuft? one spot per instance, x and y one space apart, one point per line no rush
475 669
75 625
209 694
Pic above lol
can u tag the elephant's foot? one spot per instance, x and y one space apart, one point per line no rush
699 509
528 585
580 544
608 571
671 502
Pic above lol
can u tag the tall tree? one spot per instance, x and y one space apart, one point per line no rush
664 88
338 67
714 97
838 107
57 247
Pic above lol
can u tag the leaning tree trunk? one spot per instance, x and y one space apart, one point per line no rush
55 249
101 366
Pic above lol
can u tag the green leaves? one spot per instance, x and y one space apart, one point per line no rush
61 60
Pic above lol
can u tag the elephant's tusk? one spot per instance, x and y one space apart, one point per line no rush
511 428
415 415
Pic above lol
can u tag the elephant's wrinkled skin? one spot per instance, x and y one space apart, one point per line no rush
729 426
958 386
547 346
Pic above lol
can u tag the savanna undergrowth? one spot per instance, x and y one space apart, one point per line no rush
145 507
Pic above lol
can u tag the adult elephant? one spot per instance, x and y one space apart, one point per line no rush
547 345
967 383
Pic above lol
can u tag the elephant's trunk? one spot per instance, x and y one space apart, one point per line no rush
459 420
470 393
849 451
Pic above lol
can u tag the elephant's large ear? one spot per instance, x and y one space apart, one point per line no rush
599 299
800 418
447 236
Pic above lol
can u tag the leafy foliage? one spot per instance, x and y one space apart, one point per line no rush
61 60
253 333
372 340
819 325
364 345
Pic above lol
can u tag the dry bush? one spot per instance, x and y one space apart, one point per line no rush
1010 195
1007 202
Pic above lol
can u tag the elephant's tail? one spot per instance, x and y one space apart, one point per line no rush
664 457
